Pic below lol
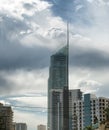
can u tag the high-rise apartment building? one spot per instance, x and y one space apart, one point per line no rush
88 111
6 117
58 99
94 108
20 126
41 127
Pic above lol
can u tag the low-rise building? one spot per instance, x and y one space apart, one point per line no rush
41 127
20 126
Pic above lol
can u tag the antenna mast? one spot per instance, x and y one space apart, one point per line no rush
68 54
67 34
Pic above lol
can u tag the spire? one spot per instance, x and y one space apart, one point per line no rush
68 54
67 34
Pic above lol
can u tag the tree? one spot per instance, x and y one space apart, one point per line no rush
89 128
107 114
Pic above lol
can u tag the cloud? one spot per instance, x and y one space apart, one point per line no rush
18 57
103 90
89 86
86 17
24 42
23 81
77 11
13 54
28 6
89 58
70 10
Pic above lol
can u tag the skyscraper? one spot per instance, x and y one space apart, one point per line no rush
58 92
58 73
58 99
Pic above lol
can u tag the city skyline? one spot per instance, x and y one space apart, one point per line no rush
30 32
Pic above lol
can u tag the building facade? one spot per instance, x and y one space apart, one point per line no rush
75 109
58 99
88 111
6 117
20 126
41 127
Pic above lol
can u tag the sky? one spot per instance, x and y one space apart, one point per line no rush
31 31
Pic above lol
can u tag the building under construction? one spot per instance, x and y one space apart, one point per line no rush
6 117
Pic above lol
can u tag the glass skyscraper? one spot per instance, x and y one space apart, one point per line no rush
58 102
58 77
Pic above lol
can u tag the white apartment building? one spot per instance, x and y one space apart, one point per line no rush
77 115
87 111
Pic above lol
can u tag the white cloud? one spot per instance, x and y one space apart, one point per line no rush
16 8
89 86
33 101
28 81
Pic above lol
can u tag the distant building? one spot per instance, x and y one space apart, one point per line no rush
6 117
20 126
75 94
41 127
13 125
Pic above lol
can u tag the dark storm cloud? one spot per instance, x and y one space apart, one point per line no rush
71 10
5 86
89 58
2 81
13 55
16 57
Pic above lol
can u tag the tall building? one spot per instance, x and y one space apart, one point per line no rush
41 127
58 99
58 72
6 117
20 126
89 109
